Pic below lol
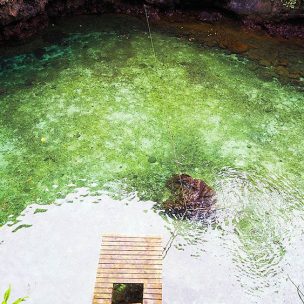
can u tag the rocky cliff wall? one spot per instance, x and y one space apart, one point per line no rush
20 19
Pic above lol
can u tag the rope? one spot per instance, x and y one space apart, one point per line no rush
177 163
150 35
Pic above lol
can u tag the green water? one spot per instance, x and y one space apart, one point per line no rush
99 110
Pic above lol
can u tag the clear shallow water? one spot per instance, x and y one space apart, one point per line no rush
99 111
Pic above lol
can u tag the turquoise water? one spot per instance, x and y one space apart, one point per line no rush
95 108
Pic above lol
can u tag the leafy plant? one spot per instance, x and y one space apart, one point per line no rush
7 295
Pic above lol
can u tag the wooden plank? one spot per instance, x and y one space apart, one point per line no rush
148 285
132 239
127 280
129 275
102 301
108 290
112 236
130 266
152 296
131 248
140 243
103 285
152 301
103 296
153 291
130 271
131 252
131 261
153 286
131 244
130 257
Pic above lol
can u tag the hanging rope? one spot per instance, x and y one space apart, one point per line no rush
173 146
150 35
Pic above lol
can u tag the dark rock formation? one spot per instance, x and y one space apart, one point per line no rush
20 19
19 10
190 198
265 9
210 17
23 29
284 29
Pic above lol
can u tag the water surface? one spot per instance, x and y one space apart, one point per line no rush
92 107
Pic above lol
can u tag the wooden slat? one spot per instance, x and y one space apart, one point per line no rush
107 290
103 295
146 296
153 291
129 275
153 286
148 291
147 285
131 244
131 248
129 271
113 236
131 252
152 296
130 266
131 239
128 280
101 301
129 259
103 285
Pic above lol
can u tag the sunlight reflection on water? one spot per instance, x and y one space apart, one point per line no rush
55 259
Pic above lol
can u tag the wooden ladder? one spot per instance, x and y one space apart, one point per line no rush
129 259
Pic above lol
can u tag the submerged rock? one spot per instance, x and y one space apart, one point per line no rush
39 53
54 37
190 198
3 91
210 17
233 45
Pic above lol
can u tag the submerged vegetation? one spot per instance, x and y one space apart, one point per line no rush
99 110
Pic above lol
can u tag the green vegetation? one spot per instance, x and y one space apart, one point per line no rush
101 111
7 296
